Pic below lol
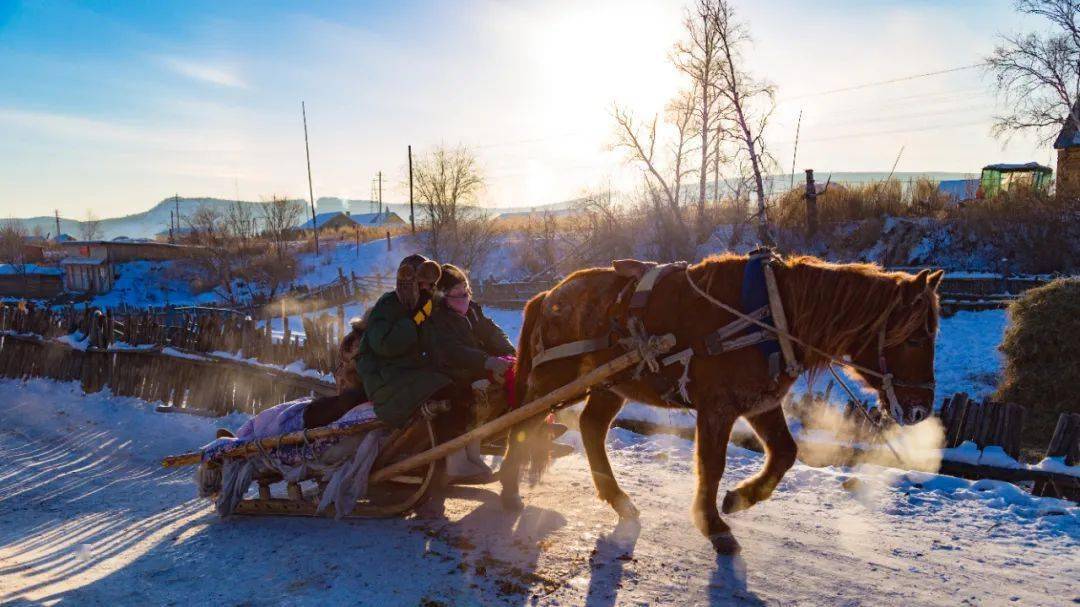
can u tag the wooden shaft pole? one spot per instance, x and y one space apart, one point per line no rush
502 423
292 438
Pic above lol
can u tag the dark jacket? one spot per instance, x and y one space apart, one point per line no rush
460 345
398 374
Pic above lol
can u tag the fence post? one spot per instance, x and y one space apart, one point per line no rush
811 204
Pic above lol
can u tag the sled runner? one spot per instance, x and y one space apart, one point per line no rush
405 463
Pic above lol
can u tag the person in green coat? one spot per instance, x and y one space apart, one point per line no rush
397 372
466 346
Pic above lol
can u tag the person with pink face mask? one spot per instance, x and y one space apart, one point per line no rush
465 345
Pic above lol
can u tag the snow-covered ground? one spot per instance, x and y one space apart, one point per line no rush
88 517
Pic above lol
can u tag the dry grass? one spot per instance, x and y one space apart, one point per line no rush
1042 368
856 202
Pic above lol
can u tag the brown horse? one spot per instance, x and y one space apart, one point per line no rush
885 321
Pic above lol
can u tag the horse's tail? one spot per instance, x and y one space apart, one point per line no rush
537 440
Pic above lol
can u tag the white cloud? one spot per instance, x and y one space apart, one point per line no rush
205 72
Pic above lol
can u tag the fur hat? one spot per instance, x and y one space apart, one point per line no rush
413 270
451 277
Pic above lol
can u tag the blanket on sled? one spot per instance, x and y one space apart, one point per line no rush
342 462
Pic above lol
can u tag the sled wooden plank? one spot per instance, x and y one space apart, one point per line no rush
502 423
292 438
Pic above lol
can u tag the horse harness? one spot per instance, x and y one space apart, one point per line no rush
731 337
760 295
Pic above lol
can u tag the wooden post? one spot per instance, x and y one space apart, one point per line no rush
958 412
811 204
388 247
1066 440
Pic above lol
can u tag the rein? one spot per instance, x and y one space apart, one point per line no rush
887 383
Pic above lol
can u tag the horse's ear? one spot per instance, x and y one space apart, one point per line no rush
934 281
920 280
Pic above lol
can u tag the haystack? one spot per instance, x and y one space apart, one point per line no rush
1042 351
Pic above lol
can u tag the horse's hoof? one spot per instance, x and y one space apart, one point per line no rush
734 502
513 503
725 544
625 508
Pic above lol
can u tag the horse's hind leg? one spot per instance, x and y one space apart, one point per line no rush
713 431
780 452
525 439
600 409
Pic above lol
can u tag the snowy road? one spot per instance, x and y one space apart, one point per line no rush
88 517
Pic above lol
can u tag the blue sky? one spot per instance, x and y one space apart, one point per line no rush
112 106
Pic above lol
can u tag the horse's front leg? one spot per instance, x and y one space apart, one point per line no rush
780 451
600 408
713 431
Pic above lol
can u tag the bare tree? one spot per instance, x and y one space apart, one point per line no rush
446 183
746 102
90 228
697 56
1039 74
280 217
13 238
662 180
240 220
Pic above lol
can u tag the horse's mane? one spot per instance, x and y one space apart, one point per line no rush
840 308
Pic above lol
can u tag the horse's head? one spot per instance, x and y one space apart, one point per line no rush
902 351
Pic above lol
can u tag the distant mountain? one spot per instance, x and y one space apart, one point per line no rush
155 220
138 225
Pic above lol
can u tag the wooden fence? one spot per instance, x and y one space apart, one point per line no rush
204 332
989 423
985 424
193 383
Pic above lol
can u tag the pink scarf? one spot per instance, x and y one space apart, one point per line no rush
459 304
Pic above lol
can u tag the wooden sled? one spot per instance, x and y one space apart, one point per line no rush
405 471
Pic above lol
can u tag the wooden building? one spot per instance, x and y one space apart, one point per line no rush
87 274
119 251
1067 145
30 281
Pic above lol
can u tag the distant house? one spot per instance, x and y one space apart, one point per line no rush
118 251
959 190
344 220
64 238
30 281
1067 145
88 265
1002 177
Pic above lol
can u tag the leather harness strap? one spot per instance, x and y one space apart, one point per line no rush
639 299
574 348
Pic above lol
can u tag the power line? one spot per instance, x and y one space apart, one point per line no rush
856 87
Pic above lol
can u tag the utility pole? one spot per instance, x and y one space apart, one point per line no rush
412 215
311 190
795 153
380 193
57 211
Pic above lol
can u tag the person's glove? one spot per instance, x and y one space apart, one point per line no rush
498 367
